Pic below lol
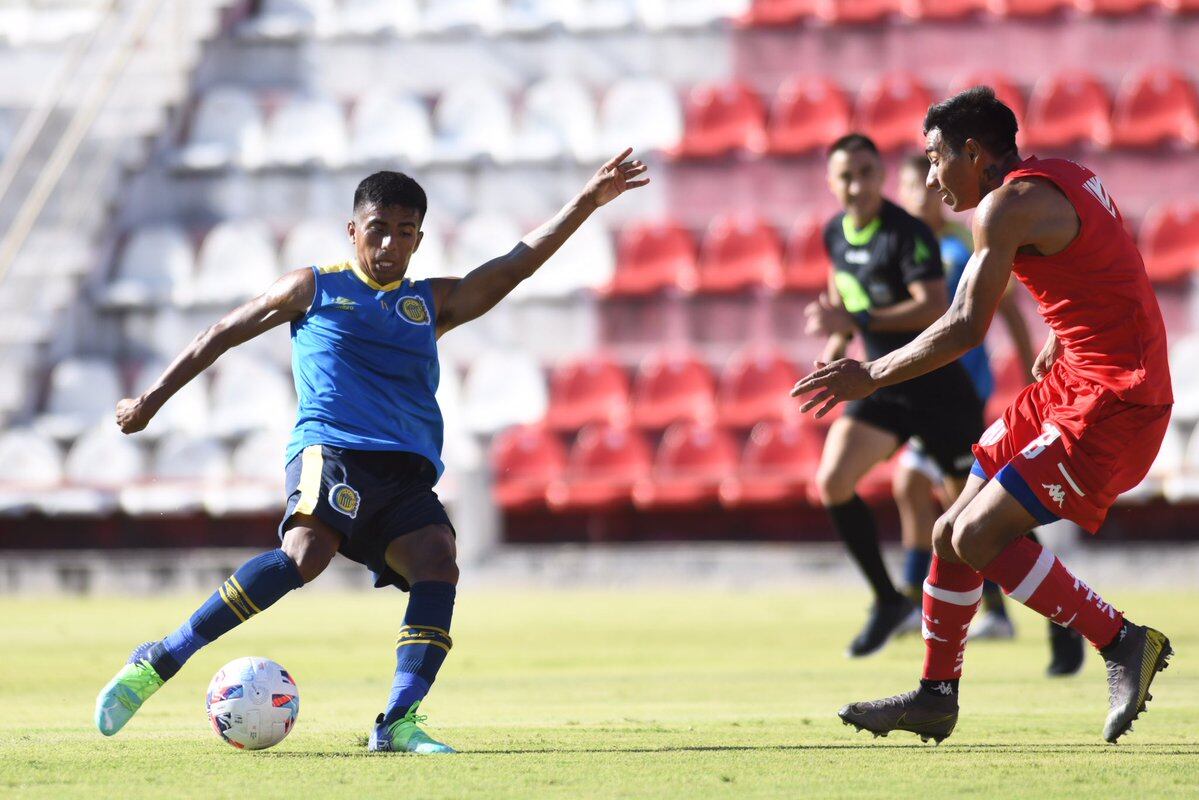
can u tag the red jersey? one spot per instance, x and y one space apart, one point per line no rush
1095 294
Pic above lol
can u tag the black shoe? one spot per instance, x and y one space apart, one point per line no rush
926 714
886 619
1137 655
1068 651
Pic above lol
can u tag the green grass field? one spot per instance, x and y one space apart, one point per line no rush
585 694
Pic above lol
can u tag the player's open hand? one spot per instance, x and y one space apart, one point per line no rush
133 414
824 318
842 380
615 178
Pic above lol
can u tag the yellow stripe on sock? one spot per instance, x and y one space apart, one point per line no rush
232 607
434 642
312 464
442 631
236 597
244 596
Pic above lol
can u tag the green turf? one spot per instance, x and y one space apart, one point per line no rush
585 694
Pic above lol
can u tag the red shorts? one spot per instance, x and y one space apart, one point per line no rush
1074 447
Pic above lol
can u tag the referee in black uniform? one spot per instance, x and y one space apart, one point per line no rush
887 285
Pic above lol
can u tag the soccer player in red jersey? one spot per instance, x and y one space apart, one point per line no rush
1087 430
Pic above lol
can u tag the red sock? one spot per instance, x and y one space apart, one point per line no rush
1033 576
951 596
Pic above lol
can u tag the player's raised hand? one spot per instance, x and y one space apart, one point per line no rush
615 178
842 380
133 414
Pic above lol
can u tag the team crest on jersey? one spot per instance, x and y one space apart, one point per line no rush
345 499
413 310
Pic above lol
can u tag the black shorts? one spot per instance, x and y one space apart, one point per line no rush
370 497
944 425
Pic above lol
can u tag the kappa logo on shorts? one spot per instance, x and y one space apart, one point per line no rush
412 309
1056 493
345 499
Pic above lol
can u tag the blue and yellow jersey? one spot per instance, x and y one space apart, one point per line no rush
364 359
957 245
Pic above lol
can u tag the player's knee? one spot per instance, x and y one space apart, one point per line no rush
436 559
969 538
906 487
834 486
943 537
311 549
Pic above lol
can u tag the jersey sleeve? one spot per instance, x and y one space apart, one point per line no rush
919 254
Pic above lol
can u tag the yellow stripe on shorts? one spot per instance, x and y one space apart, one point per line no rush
312 463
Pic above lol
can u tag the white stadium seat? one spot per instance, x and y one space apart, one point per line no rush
501 389
602 15
183 467
586 261
185 412
1184 355
429 261
83 393
642 113
473 119
388 127
236 262
227 128
250 394
479 239
374 17
1183 485
316 242
535 16
307 131
557 121
289 19
256 476
156 264
1166 468
30 466
100 463
455 16
659 15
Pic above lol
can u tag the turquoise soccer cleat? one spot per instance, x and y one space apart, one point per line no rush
120 699
405 736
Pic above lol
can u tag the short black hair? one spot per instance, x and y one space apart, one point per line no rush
853 141
916 161
386 189
974 114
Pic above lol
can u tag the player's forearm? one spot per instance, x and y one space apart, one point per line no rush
538 245
941 343
198 356
909 315
835 347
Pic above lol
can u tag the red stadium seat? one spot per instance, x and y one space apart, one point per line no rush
941 9
808 112
1170 241
1153 106
652 256
755 387
604 463
767 13
593 389
524 461
739 252
891 110
1005 89
806 265
777 466
1112 7
1181 6
1068 108
853 12
692 461
721 118
1026 8
672 385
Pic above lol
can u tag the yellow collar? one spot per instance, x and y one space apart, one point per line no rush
378 287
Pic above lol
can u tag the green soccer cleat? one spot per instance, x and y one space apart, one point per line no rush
120 699
405 736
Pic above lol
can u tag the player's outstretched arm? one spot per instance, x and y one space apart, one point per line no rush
461 300
287 299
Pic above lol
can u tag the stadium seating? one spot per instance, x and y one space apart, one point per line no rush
316 242
1184 355
30 465
739 252
1164 472
1169 241
806 265
808 112
672 385
1113 7
184 468
690 464
1180 6
720 119
587 391
585 262
236 261
940 9
652 256
236 411
1154 106
557 121
100 462
777 466
1027 8
290 19
525 459
388 127
305 132
1005 89
472 120
767 13
601 15
459 16
376 18
890 109
226 129
83 393
1068 108
755 387
530 17
850 12
501 389
480 238
256 475
661 15
188 409
156 263
1182 485
643 113
604 464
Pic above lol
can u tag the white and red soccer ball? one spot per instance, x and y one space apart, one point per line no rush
252 703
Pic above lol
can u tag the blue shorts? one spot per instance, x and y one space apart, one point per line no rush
370 497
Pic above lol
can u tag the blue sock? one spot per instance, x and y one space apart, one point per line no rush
254 587
915 568
422 646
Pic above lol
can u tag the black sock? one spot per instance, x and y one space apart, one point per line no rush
1108 649
993 599
940 688
855 526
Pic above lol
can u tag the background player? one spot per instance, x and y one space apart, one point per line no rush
916 475
1088 430
366 448
886 285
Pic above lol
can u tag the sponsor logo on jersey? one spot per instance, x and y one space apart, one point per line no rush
343 304
345 499
413 310
1056 493
857 256
1097 190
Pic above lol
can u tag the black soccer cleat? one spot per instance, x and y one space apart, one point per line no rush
926 714
1132 662
886 620
1068 651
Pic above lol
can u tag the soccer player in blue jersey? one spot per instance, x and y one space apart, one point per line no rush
366 449
916 474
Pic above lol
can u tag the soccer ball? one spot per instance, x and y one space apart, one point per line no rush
252 703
